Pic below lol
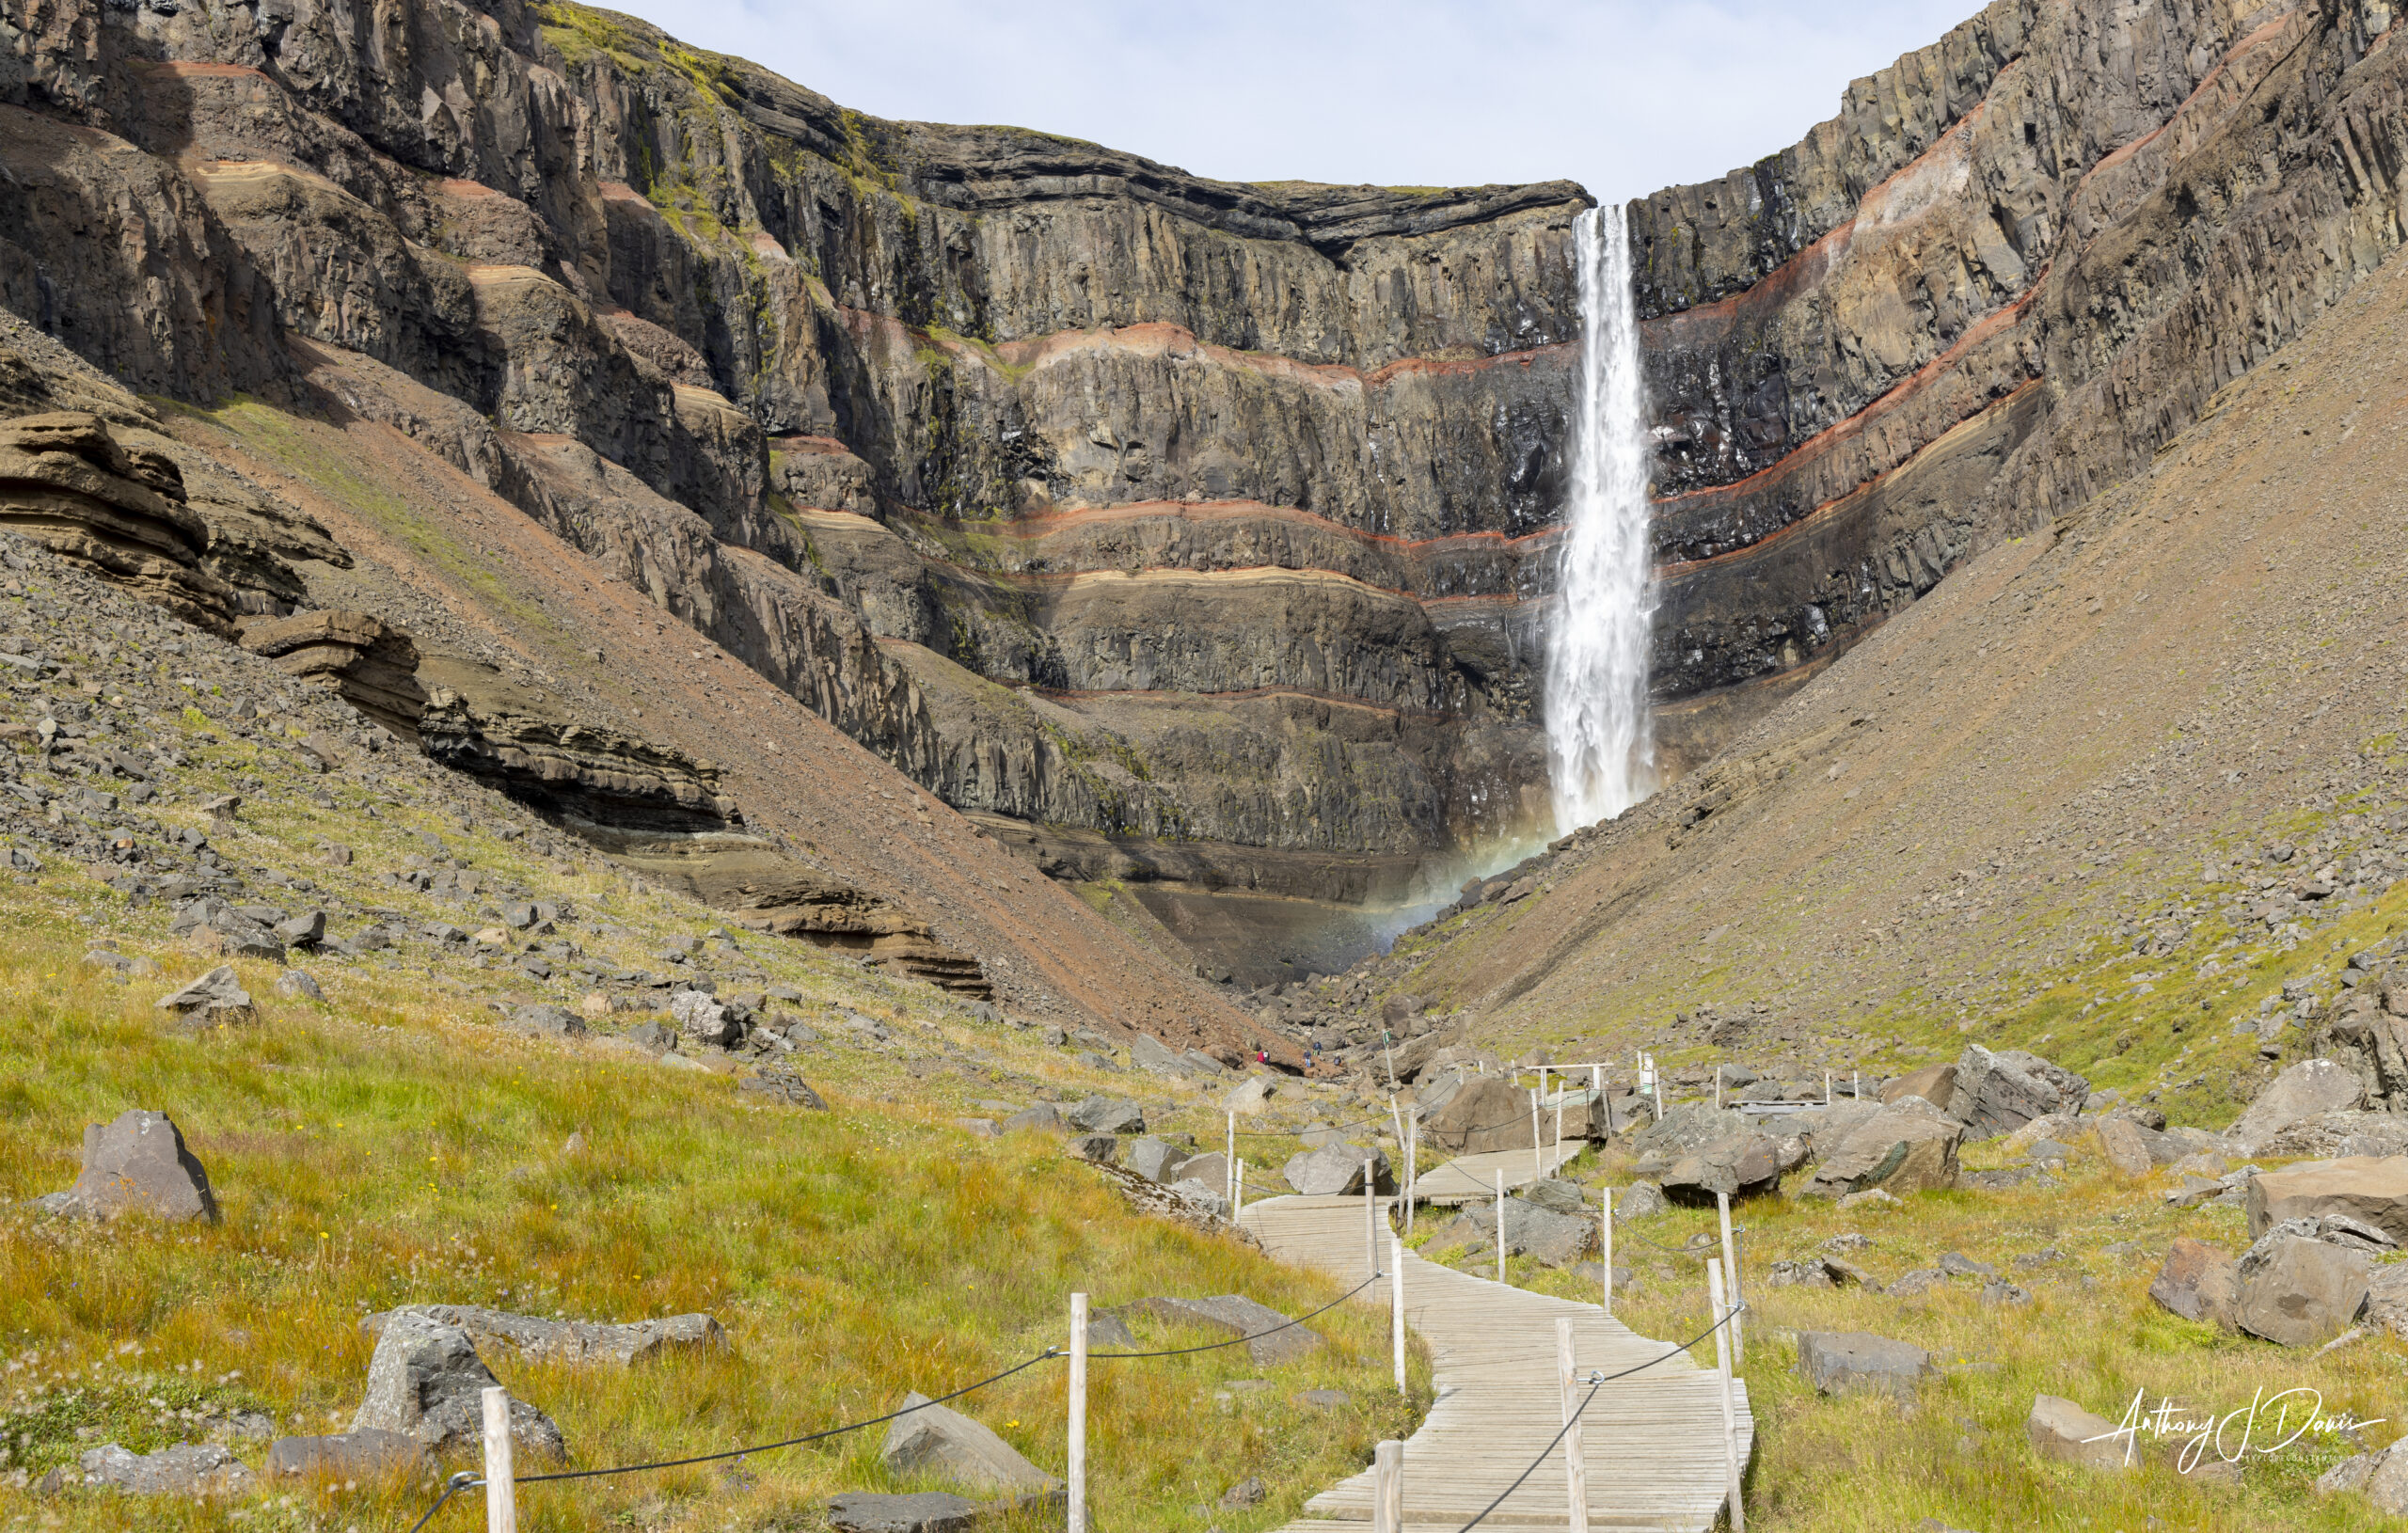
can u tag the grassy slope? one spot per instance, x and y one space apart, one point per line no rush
391 1145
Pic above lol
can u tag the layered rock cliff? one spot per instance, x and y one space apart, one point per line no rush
1186 531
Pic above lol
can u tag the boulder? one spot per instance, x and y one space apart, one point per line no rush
217 998
703 1018
2198 1282
2298 1291
1906 1147
1999 1092
2370 1189
1681 1129
2308 1089
1042 1116
138 1161
1206 1197
1934 1083
1557 1195
425 1381
538 1339
1211 1168
2120 1141
1250 1096
1337 1170
1155 1159
547 1022
1559 1239
1854 1362
1641 1200
1104 1149
2387 1299
928 1512
934 1440
1737 1166
2385 1485
308 929
187 1469
1107 1115
1270 1339
2060 1430
1477 1114
360 1454
298 985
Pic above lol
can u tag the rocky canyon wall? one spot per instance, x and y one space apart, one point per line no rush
1184 530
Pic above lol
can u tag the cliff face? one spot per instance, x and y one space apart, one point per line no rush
1090 493
1210 520
2016 264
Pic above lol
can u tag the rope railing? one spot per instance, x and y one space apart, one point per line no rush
467 1480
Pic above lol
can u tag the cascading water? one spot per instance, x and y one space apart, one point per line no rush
1600 743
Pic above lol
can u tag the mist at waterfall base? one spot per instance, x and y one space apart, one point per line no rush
1600 736
1600 742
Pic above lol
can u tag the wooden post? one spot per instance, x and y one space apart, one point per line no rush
1856 1085
1730 1418
1827 1089
1396 1303
1576 1473
1412 1169
1599 1113
1605 1217
1730 1271
1537 1146
1237 1201
501 1489
1229 1163
1370 1223
1500 1227
1388 1488
1078 1467
1396 1117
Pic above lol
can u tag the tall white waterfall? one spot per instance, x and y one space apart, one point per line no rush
1601 750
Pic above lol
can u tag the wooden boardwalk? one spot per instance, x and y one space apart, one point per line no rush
1467 1178
1653 1441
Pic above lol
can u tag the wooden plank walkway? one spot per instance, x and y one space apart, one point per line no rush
1653 1441
1468 1178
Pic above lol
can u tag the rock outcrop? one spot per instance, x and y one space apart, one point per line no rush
69 484
372 663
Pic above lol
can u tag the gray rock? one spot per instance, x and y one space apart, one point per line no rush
1042 1116
1682 1128
1557 1195
1999 1092
2197 1282
1337 1170
2298 1290
703 1018
1211 1168
538 1339
2371 1190
1850 1362
1957 1264
188 1469
1103 1148
217 998
425 1381
298 985
1640 1200
651 1037
1107 1115
1908 1146
1207 1197
1155 1159
2308 1089
546 1021
935 1440
1248 1492
1271 1339
137 1163
2060 1430
2386 1483
1323 1399
360 1454
1737 1166
308 929
1250 1096
928 1512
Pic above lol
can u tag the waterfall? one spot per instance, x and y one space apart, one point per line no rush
1600 743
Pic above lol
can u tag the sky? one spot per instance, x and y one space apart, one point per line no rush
1621 96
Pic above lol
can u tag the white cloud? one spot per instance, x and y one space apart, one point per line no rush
1621 95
